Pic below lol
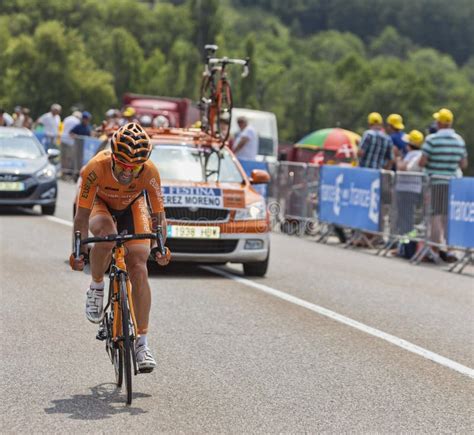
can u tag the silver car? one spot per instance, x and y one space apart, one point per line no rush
27 176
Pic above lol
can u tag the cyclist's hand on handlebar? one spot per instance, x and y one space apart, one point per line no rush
77 263
163 260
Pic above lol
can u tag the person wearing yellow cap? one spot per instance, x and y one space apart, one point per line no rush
443 155
412 158
128 115
395 129
444 152
408 188
376 147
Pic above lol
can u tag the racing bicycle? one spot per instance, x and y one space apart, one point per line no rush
215 103
118 325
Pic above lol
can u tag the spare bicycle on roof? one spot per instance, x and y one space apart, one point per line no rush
215 101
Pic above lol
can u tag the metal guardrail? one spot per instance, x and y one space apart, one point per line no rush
413 207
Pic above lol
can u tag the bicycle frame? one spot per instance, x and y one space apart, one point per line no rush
120 336
215 89
117 269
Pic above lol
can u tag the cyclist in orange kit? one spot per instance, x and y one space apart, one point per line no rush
112 199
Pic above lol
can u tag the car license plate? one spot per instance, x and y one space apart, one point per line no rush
191 232
11 186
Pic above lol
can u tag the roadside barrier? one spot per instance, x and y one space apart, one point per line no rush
73 157
461 220
375 209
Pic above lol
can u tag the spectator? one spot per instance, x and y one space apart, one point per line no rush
27 121
146 120
443 153
161 121
412 159
246 141
395 131
50 121
83 128
376 147
409 187
18 117
5 119
128 115
69 123
112 119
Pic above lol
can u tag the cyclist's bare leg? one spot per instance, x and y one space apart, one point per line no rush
101 225
136 259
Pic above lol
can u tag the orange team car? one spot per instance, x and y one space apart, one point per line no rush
213 212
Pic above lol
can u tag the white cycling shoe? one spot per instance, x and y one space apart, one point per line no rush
145 361
94 305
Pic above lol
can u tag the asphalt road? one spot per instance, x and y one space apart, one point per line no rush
233 358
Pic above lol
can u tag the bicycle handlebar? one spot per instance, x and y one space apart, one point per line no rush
158 236
226 61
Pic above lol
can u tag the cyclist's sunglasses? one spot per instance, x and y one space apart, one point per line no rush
121 166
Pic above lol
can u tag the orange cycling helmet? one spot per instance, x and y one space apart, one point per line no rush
131 144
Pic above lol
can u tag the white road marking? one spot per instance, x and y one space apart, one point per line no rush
59 221
410 347
400 342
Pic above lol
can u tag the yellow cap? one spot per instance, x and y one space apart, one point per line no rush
396 121
129 111
444 116
374 118
415 137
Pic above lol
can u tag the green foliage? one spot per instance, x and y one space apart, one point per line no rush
314 63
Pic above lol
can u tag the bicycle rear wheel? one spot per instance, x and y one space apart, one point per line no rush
127 339
224 111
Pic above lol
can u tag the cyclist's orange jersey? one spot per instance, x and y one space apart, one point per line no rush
98 180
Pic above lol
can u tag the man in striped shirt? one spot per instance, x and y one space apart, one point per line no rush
376 147
444 152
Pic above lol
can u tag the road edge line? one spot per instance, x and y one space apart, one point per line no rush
59 221
399 342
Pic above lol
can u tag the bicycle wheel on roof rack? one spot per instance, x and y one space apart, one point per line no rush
205 102
224 111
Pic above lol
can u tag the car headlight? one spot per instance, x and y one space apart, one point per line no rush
255 211
47 173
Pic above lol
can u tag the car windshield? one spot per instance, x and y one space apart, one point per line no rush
19 147
181 163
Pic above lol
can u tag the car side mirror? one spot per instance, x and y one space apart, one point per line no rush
258 176
53 153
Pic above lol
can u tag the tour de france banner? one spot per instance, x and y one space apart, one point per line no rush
202 197
461 212
350 197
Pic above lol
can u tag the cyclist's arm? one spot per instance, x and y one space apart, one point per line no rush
155 198
85 198
81 223
159 219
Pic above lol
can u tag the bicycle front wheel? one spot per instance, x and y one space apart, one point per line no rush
127 339
224 111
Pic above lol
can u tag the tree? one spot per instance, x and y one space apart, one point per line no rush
52 66
207 22
390 43
123 58
248 87
153 74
